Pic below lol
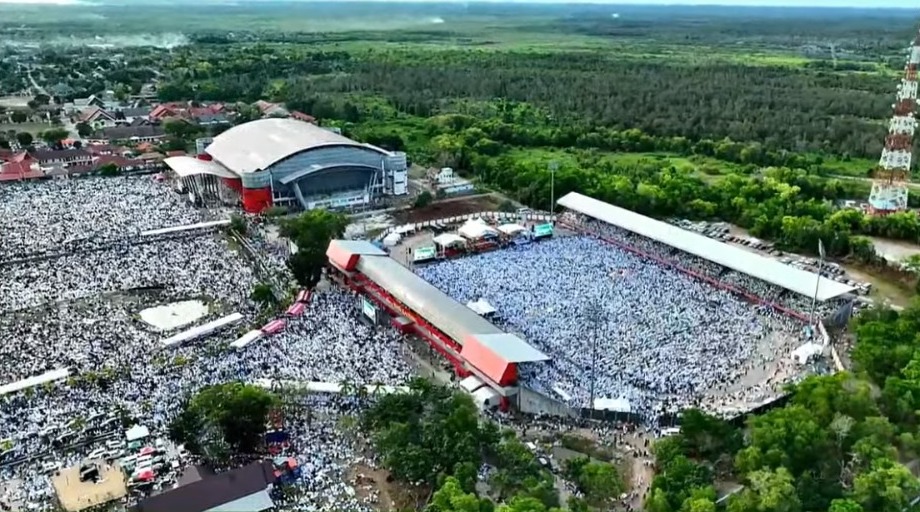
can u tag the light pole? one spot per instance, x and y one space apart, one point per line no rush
814 301
553 166
594 316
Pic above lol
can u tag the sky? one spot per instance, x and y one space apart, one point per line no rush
909 4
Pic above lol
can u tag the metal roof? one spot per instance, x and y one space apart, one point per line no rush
256 145
188 166
511 348
735 258
448 315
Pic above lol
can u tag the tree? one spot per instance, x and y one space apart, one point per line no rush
311 233
24 138
598 481
423 199
451 497
263 294
84 130
109 169
239 225
54 136
233 413
887 487
772 492
19 117
410 432
181 129
706 436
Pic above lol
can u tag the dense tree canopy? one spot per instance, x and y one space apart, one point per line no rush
311 232
223 419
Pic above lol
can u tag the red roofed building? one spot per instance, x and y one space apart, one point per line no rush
473 345
300 116
20 167
165 111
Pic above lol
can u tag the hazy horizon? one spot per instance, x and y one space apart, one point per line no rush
865 4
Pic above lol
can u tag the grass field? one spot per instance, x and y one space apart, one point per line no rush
706 168
33 128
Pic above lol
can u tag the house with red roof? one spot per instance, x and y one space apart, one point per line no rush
300 116
21 167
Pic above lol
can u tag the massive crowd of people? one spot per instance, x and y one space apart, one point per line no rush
54 216
661 340
79 310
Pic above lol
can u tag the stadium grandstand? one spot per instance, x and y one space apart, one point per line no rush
729 256
286 162
718 326
473 345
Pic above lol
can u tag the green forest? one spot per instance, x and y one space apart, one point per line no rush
771 132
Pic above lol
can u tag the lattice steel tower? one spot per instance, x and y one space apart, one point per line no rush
890 179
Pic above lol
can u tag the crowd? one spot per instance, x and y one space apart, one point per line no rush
53 216
738 280
661 339
81 311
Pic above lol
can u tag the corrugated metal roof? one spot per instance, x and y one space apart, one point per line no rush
448 315
258 144
755 265
511 348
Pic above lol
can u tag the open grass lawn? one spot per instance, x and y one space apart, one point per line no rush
33 128
706 168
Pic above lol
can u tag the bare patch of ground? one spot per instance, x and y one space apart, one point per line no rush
384 492
894 250
449 208
885 289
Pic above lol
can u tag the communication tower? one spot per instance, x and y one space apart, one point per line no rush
891 177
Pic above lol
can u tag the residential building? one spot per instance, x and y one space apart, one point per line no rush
244 489
300 116
211 119
135 134
20 167
132 114
97 117
447 183
61 157
81 104
269 109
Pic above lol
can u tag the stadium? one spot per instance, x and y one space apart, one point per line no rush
616 312
286 162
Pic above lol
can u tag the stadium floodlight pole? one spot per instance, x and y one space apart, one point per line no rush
553 166
594 315
814 301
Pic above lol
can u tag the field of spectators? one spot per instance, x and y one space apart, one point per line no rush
661 339
78 308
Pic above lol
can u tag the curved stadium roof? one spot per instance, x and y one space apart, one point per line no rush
256 145
188 166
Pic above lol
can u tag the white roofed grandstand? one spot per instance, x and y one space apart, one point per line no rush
663 339
736 258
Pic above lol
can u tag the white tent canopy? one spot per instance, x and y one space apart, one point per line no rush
612 404
475 229
392 239
481 307
471 383
449 240
804 353
753 264
136 433
486 397
512 229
